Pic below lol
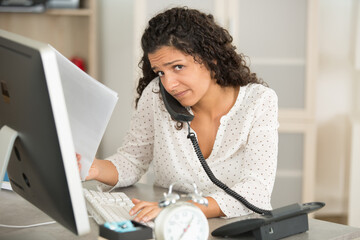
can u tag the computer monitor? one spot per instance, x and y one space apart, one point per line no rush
42 167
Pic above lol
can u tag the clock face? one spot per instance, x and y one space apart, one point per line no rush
183 221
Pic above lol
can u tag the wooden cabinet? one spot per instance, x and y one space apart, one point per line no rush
73 32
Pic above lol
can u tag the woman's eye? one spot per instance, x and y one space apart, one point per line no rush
178 67
160 73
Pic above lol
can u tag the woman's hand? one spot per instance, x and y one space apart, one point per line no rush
148 210
102 170
93 171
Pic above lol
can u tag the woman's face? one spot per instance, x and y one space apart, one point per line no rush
184 78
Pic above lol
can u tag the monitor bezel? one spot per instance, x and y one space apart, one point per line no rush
62 124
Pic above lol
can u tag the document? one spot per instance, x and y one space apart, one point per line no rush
90 105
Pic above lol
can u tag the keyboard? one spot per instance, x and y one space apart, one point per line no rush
108 207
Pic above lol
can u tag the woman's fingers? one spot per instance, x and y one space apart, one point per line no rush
93 171
135 200
147 210
148 214
78 158
138 205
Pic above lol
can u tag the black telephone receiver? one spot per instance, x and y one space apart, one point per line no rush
176 110
274 224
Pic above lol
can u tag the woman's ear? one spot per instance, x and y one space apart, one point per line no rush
212 74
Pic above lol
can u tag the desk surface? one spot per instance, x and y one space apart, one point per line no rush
14 210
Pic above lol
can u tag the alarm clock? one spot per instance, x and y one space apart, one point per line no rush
181 219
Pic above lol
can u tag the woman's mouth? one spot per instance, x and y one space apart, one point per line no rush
180 94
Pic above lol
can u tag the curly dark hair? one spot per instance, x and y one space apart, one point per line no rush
196 34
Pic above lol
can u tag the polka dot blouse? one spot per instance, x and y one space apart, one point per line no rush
244 155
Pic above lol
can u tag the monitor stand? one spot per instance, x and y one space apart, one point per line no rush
7 140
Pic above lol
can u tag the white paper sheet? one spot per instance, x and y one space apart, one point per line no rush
90 105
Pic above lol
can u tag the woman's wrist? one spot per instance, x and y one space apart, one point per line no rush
212 210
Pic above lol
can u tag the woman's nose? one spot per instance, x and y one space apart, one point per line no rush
170 82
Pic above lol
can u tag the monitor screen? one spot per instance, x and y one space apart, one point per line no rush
42 167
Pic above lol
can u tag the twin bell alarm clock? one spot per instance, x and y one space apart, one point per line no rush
181 219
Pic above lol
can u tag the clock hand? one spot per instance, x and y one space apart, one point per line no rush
187 227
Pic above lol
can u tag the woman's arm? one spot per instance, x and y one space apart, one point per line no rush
148 211
104 171
101 170
212 210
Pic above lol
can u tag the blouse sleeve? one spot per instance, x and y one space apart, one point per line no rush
132 159
259 164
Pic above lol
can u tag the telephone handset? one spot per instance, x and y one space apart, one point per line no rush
274 224
176 110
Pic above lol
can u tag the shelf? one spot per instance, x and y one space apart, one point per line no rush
69 12
72 32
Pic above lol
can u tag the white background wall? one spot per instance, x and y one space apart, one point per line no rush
337 93
117 64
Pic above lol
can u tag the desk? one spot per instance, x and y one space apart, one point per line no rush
14 210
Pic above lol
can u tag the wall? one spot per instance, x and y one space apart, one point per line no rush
116 66
335 101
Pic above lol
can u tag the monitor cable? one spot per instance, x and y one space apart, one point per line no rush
27 226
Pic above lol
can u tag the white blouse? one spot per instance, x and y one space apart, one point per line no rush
244 155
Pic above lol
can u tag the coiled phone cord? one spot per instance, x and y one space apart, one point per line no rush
217 182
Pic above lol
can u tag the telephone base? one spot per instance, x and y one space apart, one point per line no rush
283 228
282 222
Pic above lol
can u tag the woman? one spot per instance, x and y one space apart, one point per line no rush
235 119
